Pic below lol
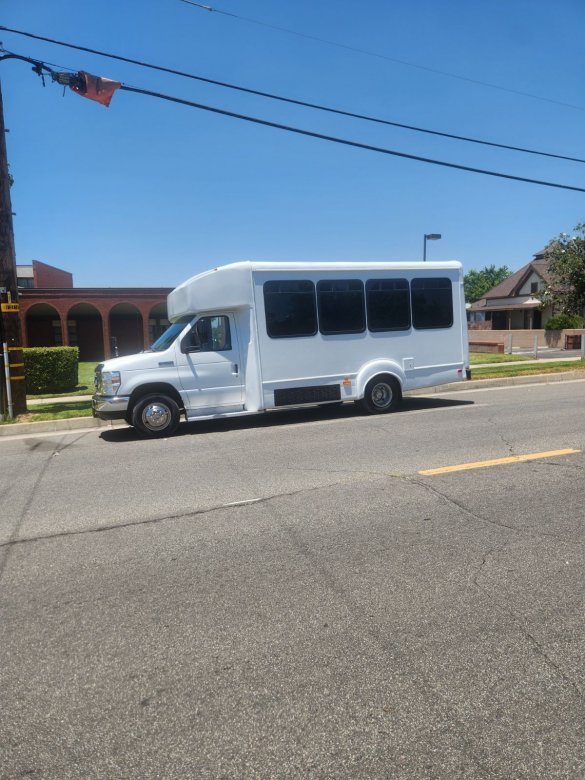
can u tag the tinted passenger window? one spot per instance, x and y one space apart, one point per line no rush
432 303
388 304
290 309
341 306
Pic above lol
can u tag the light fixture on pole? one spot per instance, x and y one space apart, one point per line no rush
429 237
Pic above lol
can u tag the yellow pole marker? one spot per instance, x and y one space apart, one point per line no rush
484 464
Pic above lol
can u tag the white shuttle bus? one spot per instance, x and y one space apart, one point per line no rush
250 337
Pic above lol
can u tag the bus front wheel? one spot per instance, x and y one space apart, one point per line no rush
382 394
155 416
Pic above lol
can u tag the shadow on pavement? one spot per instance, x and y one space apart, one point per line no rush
278 418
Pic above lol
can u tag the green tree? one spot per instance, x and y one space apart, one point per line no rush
477 283
566 269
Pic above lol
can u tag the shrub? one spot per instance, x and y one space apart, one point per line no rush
560 321
51 369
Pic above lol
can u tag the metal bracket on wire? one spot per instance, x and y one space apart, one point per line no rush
42 70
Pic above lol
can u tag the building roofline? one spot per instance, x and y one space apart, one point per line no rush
76 292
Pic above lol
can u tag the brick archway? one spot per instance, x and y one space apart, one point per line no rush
85 331
126 329
101 303
43 326
157 321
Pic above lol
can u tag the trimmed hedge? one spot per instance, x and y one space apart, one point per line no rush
51 369
562 321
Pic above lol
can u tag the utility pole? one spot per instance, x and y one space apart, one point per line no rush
10 331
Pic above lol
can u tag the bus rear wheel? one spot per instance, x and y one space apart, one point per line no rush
155 416
382 394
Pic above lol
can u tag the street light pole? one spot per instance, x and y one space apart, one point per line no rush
429 237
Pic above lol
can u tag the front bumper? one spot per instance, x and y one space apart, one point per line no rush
110 407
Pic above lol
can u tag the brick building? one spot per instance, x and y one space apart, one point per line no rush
101 321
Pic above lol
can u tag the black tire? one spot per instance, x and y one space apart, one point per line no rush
382 394
155 416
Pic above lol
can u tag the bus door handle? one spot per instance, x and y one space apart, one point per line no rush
235 367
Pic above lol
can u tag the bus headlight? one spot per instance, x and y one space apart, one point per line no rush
110 383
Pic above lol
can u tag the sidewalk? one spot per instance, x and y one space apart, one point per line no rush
65 399
86 423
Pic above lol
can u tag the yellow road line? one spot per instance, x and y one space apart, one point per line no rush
484 464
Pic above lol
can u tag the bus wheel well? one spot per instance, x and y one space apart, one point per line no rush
382 393
155 388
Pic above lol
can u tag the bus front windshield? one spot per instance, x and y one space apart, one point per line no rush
164 342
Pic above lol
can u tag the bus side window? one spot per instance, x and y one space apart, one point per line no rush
432 303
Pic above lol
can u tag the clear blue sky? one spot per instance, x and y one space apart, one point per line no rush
148 193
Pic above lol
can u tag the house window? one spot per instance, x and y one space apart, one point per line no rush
500 320
533 287
72 333
156 327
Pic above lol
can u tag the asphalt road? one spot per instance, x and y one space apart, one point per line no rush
288 597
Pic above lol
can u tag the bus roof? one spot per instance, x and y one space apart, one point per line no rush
342 265
230 285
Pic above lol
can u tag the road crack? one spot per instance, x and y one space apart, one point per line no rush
7 546
504 607
474 515
429 692
167 518
509 446
519 620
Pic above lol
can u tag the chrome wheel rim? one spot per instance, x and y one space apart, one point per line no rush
381 395
156 416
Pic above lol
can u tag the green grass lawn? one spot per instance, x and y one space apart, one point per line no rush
53 410
558 366
85 375
59 411
476 358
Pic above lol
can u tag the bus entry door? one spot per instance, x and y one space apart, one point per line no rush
210 370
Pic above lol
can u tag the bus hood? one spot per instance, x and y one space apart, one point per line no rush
143 361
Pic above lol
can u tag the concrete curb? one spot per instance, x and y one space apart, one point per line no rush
507 381
54 426
87 423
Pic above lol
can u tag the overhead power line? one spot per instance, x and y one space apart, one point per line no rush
380 56
347 142
293 101
73 79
